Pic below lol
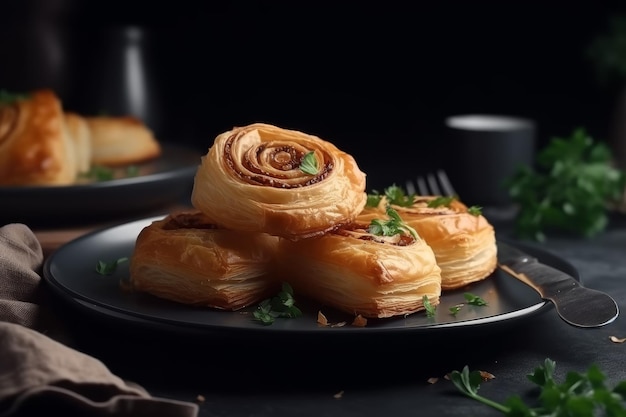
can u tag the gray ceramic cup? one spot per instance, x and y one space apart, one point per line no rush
485 150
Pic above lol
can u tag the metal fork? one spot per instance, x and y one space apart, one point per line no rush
433 183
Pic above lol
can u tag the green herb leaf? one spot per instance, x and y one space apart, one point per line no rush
99 173
570 189
309 164
396 196
132 171
108 268
373 199
282 305
9 98
392 226
475 210
441 201
454 310
430 309
469 383
581 394
474 299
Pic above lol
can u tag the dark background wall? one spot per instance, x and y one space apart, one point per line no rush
375 78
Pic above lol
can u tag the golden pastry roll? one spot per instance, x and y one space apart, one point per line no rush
78 131
263 178
121 140
464 243
187 259
355 271
35 148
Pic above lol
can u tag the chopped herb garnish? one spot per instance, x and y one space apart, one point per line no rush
391 227
281 305
440 201
475 210
132 171
373 200
430 309
396 195
108 268
309 164
99 173
454 310
474 299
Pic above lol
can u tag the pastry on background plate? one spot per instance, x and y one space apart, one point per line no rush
35 147
78 131
263 178
187 259
121 140
463 240
362 273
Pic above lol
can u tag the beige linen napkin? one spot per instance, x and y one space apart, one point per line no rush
39 373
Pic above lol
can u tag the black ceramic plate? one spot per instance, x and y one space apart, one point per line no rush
163 181
70 272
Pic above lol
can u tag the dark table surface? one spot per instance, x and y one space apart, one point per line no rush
233 375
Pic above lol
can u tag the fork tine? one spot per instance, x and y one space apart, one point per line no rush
434 187
410 188
446 185
422 188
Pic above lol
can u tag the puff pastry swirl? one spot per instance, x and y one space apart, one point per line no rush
187 259
357 272
464 244
250 180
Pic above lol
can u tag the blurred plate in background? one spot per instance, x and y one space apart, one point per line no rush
161 183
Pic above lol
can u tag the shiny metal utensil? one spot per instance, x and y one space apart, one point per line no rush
576 304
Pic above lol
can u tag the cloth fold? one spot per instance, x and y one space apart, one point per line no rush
38 370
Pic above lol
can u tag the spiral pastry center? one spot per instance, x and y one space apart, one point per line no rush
274 163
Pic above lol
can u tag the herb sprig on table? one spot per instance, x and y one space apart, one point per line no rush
580 394
569 189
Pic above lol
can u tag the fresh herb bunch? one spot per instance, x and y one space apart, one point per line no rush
581 394
569 189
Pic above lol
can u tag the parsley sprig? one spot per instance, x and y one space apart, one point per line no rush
581 394
281 305
392 226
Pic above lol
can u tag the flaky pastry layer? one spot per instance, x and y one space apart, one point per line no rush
187 259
